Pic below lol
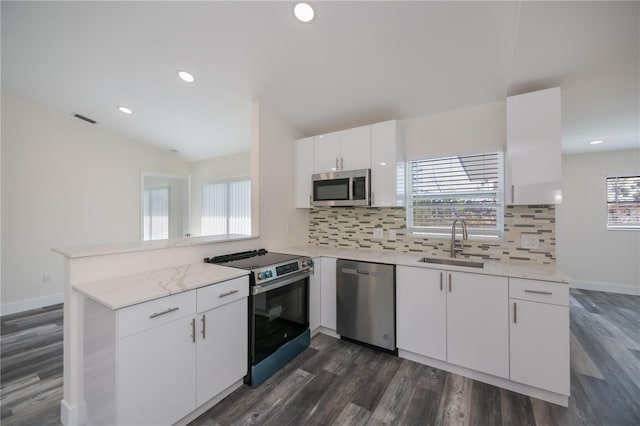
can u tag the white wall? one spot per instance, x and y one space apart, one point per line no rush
213 170
593 256
65 182
480 128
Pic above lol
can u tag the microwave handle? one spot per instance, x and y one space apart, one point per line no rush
352 183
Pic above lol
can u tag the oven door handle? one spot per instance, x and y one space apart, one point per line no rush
277 284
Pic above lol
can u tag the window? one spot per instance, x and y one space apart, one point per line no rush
623 202
156 214
468 187
226 208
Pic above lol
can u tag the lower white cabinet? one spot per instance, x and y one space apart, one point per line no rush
421 311
328 297
155 362
539 337
315 293
477 327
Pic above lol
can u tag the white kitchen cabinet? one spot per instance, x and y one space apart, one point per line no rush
328 297
344 150
303 171
155 362
387 165
539 335
421 311
326 153
477 322
156 374
315 293
534 158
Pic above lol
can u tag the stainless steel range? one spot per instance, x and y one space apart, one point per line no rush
278 308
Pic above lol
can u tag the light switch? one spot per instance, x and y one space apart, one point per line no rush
529 241
392 234
377 233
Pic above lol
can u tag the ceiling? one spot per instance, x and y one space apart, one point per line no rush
356 63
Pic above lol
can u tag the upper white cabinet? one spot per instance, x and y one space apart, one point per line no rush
344 150
303 171
387 165
534 159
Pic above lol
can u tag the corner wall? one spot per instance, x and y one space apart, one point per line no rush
593 256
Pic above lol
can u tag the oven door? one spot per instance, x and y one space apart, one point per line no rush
279 313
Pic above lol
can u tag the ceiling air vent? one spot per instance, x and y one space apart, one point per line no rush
82 117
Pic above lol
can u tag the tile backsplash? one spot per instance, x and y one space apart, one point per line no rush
352 227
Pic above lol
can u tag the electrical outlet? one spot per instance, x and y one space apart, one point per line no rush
377 233
47 278
392 235
529 241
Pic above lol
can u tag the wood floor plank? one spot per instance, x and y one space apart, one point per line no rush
455 403
580 360
516 409
396 397
485 405
353 415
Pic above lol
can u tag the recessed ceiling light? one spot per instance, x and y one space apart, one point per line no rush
595 142
186 76
304 12
125 110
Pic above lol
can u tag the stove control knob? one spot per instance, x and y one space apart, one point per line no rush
270 274
260 275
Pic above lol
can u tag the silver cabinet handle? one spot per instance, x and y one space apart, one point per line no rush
515 307
193 330
157 314
513 194
341 163
336 163
441 281
229 293
203 326
449 283
310 200
538 292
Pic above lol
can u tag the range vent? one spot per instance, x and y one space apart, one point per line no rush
82 117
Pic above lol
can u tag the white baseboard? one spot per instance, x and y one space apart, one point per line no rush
608 287
25 305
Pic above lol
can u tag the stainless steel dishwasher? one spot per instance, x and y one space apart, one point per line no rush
366 302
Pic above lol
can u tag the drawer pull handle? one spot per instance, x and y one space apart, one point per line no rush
515 313
193 330
157 314
441 273
229 293
538 292
449 283
203 326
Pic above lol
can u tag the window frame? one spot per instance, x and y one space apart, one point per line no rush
444 232
623 227
227 184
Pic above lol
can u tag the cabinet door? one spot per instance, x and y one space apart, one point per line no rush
387 169
315 283
157 374
222 348
326 153
539 335
303 171
477 322
534 170
421 311
328 303
355 148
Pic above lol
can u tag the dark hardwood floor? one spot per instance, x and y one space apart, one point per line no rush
336 382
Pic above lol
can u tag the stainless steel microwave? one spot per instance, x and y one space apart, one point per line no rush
348 188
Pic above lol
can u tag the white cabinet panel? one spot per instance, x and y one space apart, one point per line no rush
328 301
153 313
477 322
315 293
534 159
421 311
219 294
303 171
156 375
326 153
387 165
221 348
355 148
539 291
539 334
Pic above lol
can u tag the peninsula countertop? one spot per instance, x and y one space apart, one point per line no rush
123 291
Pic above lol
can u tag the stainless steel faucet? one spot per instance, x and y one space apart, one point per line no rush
465 236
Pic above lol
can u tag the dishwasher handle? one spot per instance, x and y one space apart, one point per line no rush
352 271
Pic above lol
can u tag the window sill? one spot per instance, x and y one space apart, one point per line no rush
623 228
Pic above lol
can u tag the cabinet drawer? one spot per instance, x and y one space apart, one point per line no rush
539 291
221 293
143 316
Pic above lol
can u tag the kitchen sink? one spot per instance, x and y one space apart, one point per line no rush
455 262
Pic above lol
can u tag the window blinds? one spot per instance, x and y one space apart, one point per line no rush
623 202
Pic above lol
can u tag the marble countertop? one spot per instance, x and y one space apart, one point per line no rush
74 252
120 292
514 269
